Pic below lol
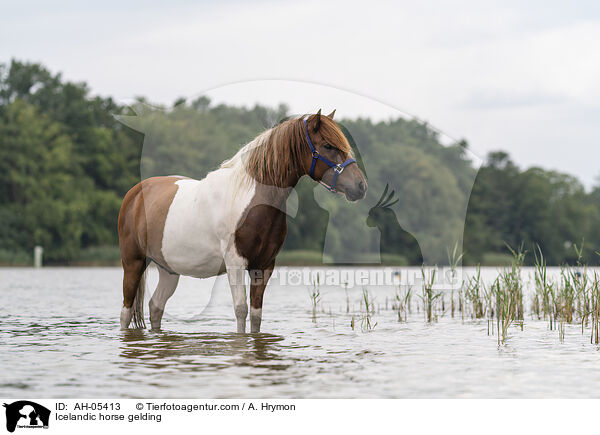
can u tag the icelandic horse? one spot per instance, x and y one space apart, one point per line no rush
233 220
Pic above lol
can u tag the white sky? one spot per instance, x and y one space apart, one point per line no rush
518 76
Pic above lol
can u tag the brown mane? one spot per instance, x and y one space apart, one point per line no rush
282 150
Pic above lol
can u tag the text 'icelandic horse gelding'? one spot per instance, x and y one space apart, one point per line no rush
231 221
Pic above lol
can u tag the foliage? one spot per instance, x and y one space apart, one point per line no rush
535 208
66 162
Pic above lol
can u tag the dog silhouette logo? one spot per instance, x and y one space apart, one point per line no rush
26 414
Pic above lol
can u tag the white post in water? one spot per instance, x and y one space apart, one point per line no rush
37 256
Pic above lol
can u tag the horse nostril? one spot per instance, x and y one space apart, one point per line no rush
361 186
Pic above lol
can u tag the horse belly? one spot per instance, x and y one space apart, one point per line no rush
198 261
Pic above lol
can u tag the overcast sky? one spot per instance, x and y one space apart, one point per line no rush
518 76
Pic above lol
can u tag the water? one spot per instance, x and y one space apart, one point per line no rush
60 337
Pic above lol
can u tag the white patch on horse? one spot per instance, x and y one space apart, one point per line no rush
201 223
236 273
126 316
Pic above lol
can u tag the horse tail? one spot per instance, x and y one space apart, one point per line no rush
138 303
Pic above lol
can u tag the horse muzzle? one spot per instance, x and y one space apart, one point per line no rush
356 193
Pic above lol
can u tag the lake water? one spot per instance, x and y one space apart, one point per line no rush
60 337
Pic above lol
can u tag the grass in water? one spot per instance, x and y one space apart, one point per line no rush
474 293
315 297
573 295
429 296
508 295
563 301
454 258
595 309
544 289
366 322
401 303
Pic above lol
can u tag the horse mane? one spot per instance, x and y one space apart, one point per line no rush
282 150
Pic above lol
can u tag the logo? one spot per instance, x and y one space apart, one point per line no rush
26 414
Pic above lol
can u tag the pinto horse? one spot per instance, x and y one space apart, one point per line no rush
233 220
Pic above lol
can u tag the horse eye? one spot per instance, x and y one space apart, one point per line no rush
329 147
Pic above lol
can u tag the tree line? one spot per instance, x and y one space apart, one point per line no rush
67 158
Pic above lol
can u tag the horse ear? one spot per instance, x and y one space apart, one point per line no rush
317 120
330 116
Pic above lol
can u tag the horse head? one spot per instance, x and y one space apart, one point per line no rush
330 159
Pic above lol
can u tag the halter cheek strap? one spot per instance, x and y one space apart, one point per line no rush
338 168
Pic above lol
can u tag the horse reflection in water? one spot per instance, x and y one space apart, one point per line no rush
201 351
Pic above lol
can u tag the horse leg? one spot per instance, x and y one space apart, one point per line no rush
258 283
236 275
133 272
167 283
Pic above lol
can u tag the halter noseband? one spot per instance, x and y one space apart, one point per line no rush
338 168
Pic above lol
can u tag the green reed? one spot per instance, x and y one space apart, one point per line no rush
401 302
544 288
429 296
454 258
315 297
566 300
567 293
474 294
366 323
595 309
462 301
507 291
581 284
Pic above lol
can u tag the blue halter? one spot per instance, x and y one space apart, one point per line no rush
338 168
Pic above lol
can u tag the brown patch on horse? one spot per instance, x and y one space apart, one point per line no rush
258 283
142 219
262 228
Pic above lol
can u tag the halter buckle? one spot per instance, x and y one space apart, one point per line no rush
338 168
315 154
